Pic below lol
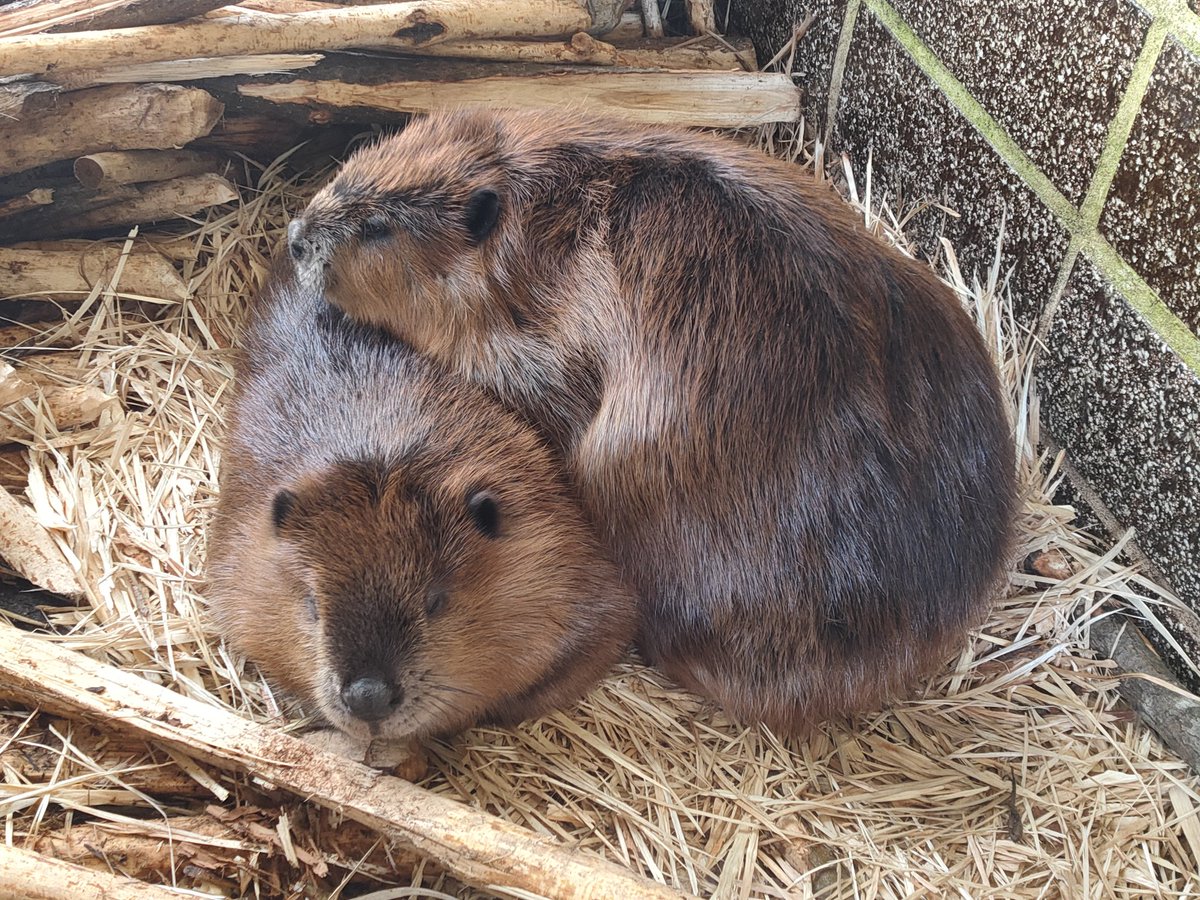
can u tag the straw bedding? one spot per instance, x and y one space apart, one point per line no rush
1016 774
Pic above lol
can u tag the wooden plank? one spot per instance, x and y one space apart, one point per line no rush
477 848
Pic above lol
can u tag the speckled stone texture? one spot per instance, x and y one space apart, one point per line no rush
1129 412
924 150
1052 76
1152 215
769 24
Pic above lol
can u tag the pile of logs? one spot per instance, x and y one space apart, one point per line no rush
122 112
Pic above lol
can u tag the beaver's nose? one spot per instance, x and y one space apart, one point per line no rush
297 245
370 698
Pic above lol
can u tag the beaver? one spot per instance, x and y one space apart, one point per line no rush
791 436
391 545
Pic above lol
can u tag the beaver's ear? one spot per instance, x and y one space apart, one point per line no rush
484 510
281 509
483 212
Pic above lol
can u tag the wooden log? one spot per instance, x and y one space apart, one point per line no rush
33 16
626 27
69 274
474 847
1148 686
702 16
137 204
703 54
104 170
704 99
674 54
414 23
28 548
175 70
158 201
700 54
68 204
120 117
652 21
32 876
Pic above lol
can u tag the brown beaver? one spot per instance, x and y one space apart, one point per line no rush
791 436
391 545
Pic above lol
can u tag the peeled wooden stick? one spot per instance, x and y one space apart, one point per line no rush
704 99
583 49
32 876
28 548
68 274
147 116
173 70
625 27
161 200
473 846
414 23
154 202
103 170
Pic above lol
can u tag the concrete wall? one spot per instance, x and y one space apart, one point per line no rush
1078 123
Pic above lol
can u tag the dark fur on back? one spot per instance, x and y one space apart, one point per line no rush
790 435
379 518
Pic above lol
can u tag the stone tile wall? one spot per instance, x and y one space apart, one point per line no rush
1077 124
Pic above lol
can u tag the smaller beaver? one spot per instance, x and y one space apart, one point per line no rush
393 547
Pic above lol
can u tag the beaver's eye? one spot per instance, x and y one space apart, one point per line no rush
485 513
310 604
435 601
376 227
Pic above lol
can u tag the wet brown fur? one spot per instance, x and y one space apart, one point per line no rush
378 452
790 435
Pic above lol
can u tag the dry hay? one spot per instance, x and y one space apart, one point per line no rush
1016 774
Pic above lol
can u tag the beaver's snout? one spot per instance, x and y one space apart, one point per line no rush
298 244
